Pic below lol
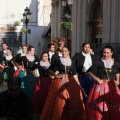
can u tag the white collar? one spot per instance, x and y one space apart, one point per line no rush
23 54
51 53
108 63
66 61
30 58
42 64
4 51
85 54
8 57
87 63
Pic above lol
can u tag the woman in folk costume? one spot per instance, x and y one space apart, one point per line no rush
30 59
8 57
7 65
29 79
42 85
64 100
19 55
18 62
104 99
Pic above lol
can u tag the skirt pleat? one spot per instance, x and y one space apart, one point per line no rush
103 102
64 101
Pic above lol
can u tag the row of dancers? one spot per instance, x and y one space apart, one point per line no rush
62 88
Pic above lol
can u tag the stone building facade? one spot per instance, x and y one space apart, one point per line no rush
40 18
96 21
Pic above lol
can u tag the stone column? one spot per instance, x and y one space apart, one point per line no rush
74 35
113 21
78 27
106 20
52 20
118 25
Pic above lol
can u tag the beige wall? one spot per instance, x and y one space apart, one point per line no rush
12 10
47 11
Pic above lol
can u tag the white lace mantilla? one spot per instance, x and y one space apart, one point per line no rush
107 63
66 61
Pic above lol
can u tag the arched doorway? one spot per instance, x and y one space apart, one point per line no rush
96 21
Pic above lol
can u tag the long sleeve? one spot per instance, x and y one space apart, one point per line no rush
37 58
94 68
16 58
77 61
55 61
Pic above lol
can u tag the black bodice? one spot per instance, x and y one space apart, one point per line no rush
65 69
22 60
103 73
7 62
58 66
43 71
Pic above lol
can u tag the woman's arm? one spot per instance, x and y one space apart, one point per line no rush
95 77
117 79
18 66
77 80
53 75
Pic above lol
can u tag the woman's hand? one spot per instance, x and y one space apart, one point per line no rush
6 67
56 76
51 77
117 82
2 66
59 76
100 81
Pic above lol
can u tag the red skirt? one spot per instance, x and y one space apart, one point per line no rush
40 93
16 73
64 102
103 102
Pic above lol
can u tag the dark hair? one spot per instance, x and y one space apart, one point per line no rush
85 43
24 46
43 54
9 49
5 44
18 79
66 48
49 45
109 47
29 48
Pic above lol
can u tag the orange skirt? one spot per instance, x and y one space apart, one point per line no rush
64 102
